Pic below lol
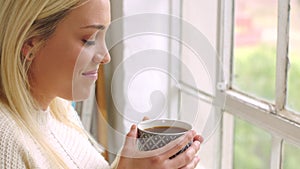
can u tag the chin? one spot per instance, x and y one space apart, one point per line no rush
81 96
81 91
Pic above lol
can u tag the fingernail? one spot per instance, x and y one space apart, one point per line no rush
197 143
133 127
194 132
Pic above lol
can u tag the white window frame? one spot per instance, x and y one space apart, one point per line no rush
274 118
210 151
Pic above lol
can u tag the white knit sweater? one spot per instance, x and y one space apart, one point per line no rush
20 152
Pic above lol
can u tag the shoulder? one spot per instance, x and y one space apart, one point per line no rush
8 126
12 153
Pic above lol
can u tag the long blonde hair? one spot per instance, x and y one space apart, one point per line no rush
19 22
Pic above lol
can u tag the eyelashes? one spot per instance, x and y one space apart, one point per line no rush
89 42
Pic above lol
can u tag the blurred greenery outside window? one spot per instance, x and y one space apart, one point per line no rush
252 146
291 156
255 48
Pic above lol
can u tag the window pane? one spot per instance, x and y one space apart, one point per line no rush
294 55
252 146
198 113
202 15
255 47
291 156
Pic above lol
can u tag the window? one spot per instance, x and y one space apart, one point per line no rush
153 34
252 146
253 82
198 53
259 48
254 48
290 156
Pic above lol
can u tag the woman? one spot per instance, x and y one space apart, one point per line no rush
50 51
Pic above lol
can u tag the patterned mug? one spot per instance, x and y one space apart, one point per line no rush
153 134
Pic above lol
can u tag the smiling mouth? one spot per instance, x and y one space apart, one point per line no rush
91 74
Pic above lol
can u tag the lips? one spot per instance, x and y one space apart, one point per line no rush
91 74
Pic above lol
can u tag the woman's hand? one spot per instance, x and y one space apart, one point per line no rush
132 158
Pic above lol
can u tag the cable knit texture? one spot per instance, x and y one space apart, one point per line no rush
18 151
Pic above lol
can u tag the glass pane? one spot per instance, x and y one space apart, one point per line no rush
206 122
201 16
252 146
294 55
255 47
291 156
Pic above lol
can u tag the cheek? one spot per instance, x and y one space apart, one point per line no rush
81 86
65 62
60 53
83 60
55 63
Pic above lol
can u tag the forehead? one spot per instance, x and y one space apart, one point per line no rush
90 12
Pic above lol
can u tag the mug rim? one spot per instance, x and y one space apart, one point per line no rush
159 122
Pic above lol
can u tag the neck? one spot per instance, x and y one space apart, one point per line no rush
43 100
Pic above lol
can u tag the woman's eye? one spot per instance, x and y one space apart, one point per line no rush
89 42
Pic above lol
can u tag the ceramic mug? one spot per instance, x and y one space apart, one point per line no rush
154 134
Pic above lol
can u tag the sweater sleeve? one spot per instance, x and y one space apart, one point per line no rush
12 153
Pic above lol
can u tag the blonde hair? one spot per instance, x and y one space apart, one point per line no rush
19 22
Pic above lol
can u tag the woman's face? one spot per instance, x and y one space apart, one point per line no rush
67 65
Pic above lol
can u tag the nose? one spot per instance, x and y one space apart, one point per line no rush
101 58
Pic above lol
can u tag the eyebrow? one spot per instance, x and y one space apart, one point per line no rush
100 27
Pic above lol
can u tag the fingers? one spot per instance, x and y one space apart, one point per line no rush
193 164
187 158
198 138
133 131
145 118
130 141
175 146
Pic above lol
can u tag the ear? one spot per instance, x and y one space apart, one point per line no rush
27 49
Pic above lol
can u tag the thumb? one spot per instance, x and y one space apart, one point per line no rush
131 137
145 118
